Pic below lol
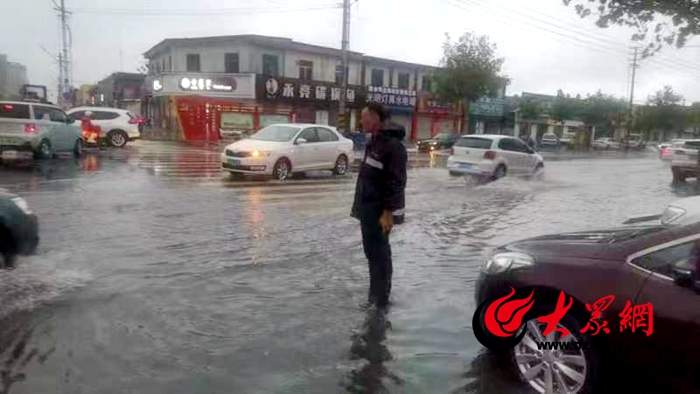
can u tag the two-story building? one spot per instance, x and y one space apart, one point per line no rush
199 87
120 90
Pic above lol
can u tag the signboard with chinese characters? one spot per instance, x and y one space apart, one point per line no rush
488 107
240 86
391 96
288 89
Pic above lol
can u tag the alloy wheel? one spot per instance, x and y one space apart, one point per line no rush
282 170
341 165
550 371
118 139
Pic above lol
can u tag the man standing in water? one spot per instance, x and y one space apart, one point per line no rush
379 196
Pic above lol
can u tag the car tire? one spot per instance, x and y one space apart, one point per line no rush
678 175
538 172
578 369
8 252
341 165
282 169
117 138
500 172
455 173
44 150
78 148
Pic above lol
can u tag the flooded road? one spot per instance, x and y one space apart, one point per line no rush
157 274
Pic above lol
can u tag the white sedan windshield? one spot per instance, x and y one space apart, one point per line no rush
275 133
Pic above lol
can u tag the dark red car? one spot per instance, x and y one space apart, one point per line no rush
650 269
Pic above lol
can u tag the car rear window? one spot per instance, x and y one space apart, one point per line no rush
14 111
474 142
692 144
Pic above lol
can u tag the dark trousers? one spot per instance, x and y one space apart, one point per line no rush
378 253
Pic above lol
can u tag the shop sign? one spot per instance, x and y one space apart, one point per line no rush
391 96
236 121
286 89
223 85
488 107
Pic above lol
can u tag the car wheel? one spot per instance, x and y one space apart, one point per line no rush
500 172
7 250
44 150
538 172
678 175
341 165
78 148
571 370
455 173
282 169
117 138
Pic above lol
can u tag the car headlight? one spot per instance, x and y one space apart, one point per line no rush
671 214
259 153
501 262
22 204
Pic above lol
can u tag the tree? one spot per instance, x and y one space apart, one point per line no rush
662 113
469 70
658 23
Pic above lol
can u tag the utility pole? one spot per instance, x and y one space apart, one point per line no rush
345 43
631 104
64 59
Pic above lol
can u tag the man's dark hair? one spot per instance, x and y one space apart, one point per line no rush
379 110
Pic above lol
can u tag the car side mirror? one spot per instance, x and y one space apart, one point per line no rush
301 141
684 275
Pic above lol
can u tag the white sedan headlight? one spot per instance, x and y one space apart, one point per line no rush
22 204
259 153
501 262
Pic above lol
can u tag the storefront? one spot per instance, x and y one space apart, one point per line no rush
303 101
433 117
400 103
491 116
199 107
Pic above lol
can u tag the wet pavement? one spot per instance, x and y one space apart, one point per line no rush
157 274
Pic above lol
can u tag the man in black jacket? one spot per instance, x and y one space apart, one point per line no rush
379 196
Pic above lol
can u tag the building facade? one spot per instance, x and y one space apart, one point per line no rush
245 82
13 76
121 90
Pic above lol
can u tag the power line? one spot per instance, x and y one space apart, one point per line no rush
192 13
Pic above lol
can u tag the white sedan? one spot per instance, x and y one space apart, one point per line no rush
493 156
281 149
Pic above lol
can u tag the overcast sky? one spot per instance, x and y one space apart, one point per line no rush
545 45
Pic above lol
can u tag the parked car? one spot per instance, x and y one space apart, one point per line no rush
438 142
282 149
684 162
653 265
36 128
119 126
493 156
550 140
19 229
605 144
634 141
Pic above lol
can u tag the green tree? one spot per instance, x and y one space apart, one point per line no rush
469 70
663 113
658 23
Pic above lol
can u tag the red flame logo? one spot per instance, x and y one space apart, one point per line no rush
503 318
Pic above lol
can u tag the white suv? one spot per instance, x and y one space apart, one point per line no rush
493 156
685 162
36 128
118 125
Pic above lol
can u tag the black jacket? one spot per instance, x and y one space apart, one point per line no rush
382 178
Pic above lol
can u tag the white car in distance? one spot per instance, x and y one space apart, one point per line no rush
279 150
119 126
493 156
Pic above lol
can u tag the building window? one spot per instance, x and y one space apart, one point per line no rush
377 77
270 65
193 63
339 74
170 63
306 69
403 80
162 64
231 62
425 84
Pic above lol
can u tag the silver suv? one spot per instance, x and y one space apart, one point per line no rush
37 128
